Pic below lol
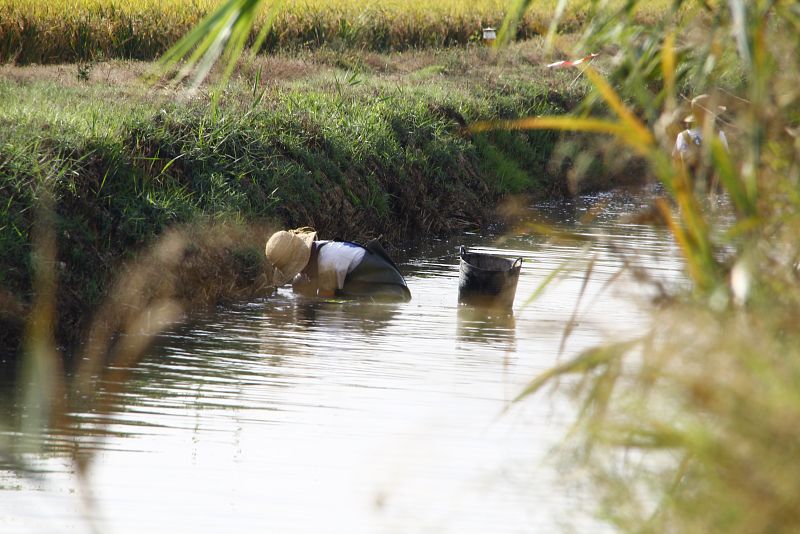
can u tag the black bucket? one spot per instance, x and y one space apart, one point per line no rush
487 280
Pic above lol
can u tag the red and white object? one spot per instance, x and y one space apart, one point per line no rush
575 63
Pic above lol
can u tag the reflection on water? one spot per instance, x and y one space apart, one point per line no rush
487 326
303 415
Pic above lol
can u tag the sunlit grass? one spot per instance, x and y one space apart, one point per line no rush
70 30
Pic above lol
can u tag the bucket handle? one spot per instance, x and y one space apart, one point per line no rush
517 263
462 250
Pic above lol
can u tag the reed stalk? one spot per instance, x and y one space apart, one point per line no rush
690 426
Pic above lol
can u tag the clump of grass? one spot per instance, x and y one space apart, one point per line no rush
690 427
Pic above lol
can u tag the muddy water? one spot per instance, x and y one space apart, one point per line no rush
299 415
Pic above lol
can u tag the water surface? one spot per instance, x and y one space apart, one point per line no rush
299 415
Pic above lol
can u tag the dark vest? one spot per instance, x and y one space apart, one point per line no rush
376 277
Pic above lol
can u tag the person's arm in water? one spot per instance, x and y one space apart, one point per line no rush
304 285
327 282
324 284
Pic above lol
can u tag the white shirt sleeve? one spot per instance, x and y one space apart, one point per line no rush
335 260
680 143
723 139
686 139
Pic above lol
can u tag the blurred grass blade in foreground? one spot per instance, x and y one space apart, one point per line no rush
42 382
691 426
223 33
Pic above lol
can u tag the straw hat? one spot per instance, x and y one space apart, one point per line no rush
289 252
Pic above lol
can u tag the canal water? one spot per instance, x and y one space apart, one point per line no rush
297 415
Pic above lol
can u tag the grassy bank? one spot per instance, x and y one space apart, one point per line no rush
352 144
82 30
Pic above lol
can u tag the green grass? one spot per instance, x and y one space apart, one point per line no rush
351 153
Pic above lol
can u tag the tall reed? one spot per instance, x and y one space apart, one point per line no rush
691 427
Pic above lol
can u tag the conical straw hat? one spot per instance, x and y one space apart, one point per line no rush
289 251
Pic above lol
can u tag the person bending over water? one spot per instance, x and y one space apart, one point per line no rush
334 268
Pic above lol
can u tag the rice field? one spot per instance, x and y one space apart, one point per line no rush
59 31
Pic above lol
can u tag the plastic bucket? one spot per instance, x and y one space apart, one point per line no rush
487 280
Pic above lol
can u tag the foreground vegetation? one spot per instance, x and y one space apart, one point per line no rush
376 149
690 427
32 31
